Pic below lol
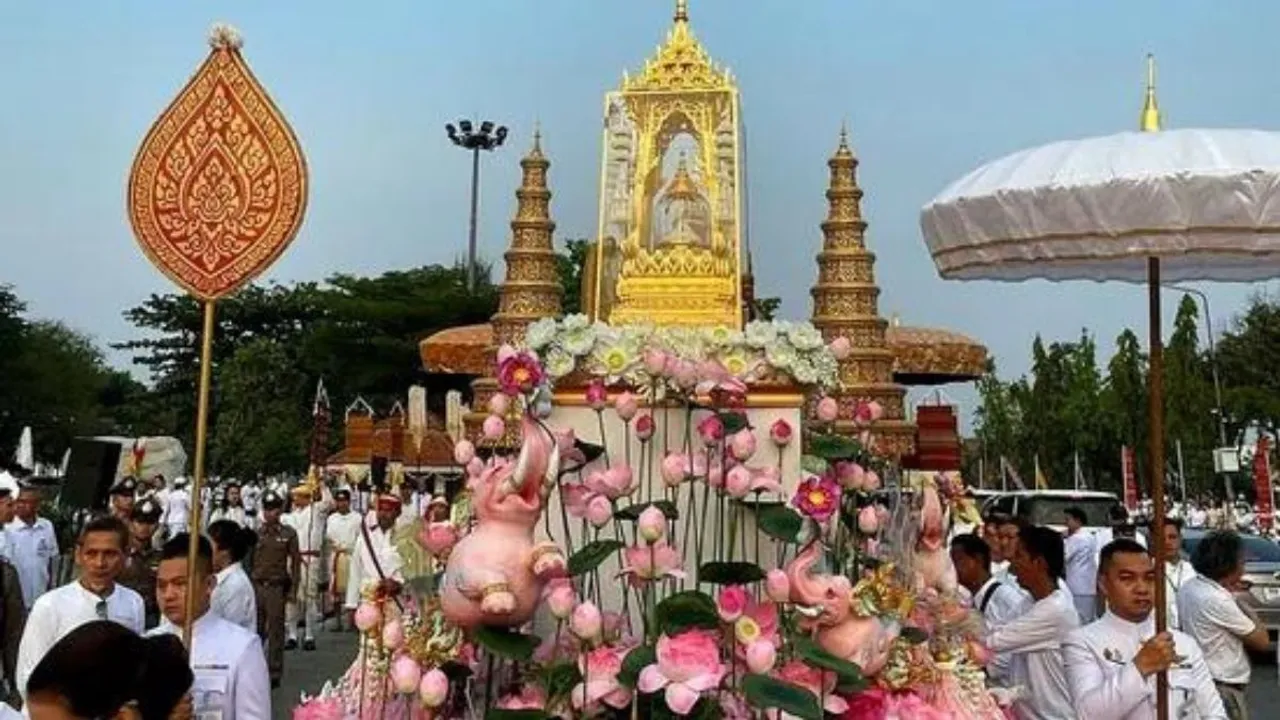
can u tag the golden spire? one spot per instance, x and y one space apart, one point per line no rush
846 304
1150 120
682 186
531 289
682 11
536 150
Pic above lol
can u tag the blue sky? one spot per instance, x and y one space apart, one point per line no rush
930 90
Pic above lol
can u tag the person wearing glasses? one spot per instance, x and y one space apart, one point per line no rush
231 678
95 595
102 670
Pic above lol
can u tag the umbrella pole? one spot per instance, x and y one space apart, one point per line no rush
1155 440
197 478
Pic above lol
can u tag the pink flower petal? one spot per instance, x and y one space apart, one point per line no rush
704 682
651 679
680 698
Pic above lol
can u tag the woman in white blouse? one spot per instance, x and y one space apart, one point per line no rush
233 596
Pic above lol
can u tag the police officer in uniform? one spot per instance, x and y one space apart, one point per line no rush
142 557
122 497
276 561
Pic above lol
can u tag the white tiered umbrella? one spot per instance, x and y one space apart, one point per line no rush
1177 205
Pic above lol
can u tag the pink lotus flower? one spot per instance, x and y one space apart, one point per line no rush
877 410
678 467
731 602
781 432
742 444
434 688
596 395
870 704
871 482
655 362
711 430
815 681
463 452
367 616
762 619
626 405
652 525
913 706
868 520
599 511
777 586
326 708
519 372
586 622
560 597
828 409
817 497
567 444
761 655
393 634
499 403
644 563
529 697
840 348
600 668
645 427
688 665
438 538
493 427
405 674
850 475
742 481
685 374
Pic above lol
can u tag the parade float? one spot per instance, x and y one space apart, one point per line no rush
677 509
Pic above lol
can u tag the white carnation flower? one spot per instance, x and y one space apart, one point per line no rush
761 333
781 355
541 334
805 337
803 371
578 340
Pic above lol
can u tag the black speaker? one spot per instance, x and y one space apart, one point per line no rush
91 471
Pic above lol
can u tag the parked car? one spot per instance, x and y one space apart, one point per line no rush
1047 507
1261 575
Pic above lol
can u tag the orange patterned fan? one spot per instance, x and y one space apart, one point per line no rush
219 187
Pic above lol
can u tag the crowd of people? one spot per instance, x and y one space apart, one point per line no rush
1070 619
271 567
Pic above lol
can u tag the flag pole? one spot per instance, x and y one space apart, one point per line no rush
197 479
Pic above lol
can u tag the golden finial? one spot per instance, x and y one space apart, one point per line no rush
682 11
844 150
537 136
1150 120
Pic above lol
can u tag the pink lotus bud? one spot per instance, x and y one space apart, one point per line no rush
644 427
686 374
862 414
652 525
463 452
499 404
434 688
828 409
877 410
596 394
851 475
439 538
777 586
675 467
781 432
871 482
731 603
715 475
493 427
868 520
761 655
626 405
506 352
405 674
655 362
586 621
393 634
738 482
561 598
475 467
841 347
711 430
368 616
599 511
742 444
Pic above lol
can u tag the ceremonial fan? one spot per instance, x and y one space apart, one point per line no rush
1178 205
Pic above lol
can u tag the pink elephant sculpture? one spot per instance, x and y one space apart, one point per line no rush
865 641
496 573
932 561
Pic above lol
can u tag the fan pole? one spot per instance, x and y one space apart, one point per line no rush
1155 440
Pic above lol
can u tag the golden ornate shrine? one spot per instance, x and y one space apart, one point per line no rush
670 198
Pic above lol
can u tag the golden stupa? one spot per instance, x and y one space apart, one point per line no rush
670 244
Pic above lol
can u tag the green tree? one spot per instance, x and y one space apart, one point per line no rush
570 265
1250 377
1124 403
263 422
1188 399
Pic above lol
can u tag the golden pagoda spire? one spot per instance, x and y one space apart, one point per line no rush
531 289
682 11
845 304
1150 120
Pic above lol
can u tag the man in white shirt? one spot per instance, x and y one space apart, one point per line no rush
177 512
1112 663
33 545
376 560
1224 627
230 668
1037 635
342 531
998 602
8 494
1177 570
94 596
1081 565
308 519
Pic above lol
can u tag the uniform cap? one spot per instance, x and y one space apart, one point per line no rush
147 511
126 486
342 494
272 500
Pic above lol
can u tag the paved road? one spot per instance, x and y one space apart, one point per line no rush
307 671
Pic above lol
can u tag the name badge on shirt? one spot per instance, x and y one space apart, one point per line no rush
209 691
